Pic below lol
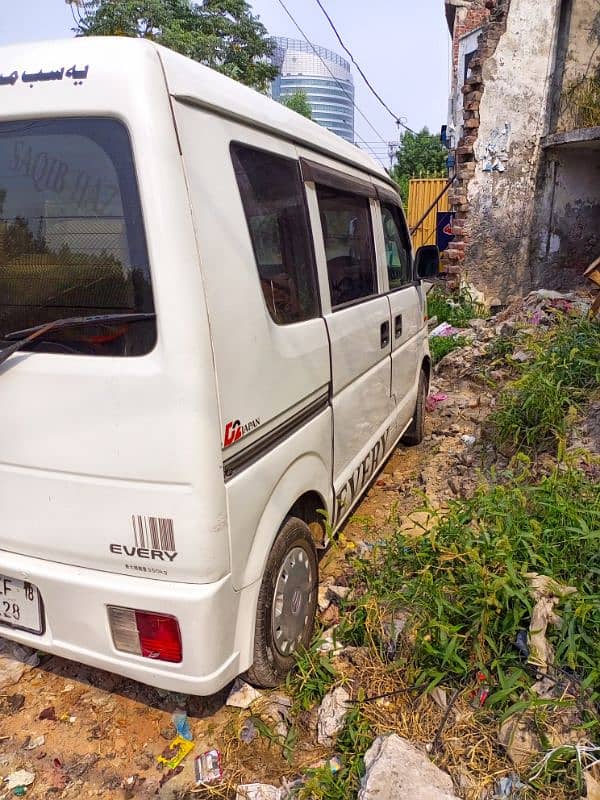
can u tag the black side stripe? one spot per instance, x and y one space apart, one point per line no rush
234 465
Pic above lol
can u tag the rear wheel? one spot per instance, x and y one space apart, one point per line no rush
416 430
287 604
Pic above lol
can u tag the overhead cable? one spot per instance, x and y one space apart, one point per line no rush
395 117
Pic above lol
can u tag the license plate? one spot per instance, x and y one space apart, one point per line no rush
20 605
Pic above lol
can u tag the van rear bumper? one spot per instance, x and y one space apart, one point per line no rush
212 617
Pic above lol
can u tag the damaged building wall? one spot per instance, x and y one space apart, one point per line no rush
512 118
578 63
566 231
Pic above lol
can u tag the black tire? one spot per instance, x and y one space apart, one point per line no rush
416 430
271 665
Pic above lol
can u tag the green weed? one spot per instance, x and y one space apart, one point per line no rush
312 677
534 412
440 346
466 587
455 308
353 741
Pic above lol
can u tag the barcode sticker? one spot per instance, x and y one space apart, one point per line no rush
154 533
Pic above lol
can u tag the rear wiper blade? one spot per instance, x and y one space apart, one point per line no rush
29 335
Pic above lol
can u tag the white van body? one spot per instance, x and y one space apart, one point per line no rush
158 479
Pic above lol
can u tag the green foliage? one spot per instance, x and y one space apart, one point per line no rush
533 412
312 678
420 155
223 34
440 346
455 308
298 101
353 741
465 584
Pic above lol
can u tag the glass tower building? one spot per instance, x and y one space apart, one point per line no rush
323 76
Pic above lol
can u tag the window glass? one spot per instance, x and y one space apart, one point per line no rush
397 249
71 235
346 221
273 198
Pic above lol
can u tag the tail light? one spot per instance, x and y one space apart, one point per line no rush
145 633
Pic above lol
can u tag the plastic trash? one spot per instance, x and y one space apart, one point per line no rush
444 330
20 778
38 741
182 725
249 732
434 400
181 746
208 767
468 439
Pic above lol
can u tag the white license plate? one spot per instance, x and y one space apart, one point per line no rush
20 605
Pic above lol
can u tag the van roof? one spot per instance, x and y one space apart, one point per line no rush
195 83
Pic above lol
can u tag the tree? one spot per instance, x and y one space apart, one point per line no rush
223 34
420 155
298 101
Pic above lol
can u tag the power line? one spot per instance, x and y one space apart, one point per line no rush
395 117
315 51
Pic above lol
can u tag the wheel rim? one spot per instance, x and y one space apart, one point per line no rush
292 600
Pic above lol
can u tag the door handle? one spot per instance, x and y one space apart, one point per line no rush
385 334
398 326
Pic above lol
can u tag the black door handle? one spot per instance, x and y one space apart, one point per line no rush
398 326
385 334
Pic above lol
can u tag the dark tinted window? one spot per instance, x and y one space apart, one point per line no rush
346 221
397 248
71 235
273 198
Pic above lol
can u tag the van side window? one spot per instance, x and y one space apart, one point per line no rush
348 236
397 249
273 198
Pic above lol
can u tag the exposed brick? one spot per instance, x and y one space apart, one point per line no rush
471 123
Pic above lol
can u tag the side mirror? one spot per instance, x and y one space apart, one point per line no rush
427 262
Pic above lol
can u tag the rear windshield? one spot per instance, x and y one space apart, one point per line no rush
71 235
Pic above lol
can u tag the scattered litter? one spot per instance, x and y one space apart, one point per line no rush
168 775
332 714
323 598
392 630
331 615
519 740
444 330
547 594
182 724
328 643
434 400
208 767
468 439
338 592
38 741
522 356
181 746
248 732
509 787
257 791
82 765
130 784
20 778
242 695
439 697
48 713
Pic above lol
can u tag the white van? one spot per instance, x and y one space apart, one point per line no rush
211 333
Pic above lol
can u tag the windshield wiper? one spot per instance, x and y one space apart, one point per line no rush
29 335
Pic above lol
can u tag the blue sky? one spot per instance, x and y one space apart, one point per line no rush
402 45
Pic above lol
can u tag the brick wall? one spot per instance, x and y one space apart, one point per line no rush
466 21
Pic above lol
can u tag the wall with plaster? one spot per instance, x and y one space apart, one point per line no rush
512 117
566 229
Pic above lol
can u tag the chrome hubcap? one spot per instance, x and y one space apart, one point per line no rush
291 601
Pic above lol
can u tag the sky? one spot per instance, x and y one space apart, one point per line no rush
401 45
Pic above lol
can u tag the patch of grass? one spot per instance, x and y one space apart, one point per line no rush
312 677
534 412
455 308
465 586
440 346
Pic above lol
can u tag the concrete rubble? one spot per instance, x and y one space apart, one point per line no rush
397 770
332 714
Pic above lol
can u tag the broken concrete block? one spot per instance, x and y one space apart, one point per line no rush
332 714
395 770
